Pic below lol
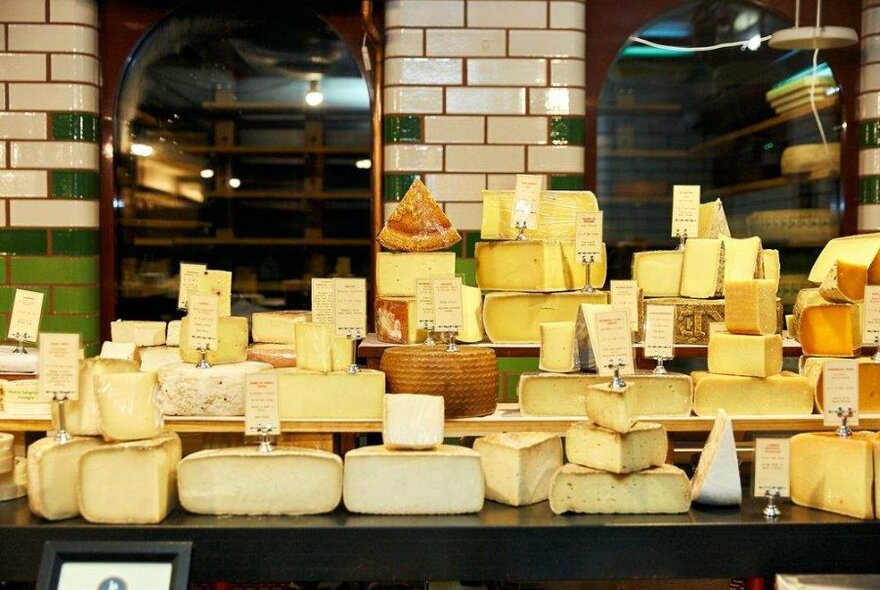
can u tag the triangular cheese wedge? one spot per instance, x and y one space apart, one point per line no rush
716 480
845 282
712 220
418 224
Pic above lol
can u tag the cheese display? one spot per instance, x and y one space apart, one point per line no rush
411 421
472 315
185 390
827 329
810 157
745 354
859 249
219 284
467 379
52 474
559 351
659 490
128 406
129 482
232 341
772 267
172 334
447 480
277 327
154 357
138 333
82 415
397 272
613 408
785 393
13 362
518 466
716 480
750 307
869 381
280 356
530 311
833 473
845 282
556 214
21 397
244 481
742 258
7 452
585 326
397 320
641 447
712 220
692 317
702 270
337 395
534 266
127 351
418 224
319 349
658 273
13 485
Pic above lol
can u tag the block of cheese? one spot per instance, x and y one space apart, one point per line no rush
52 474
412 421
127 351
447 480
418 224
658 272
810 157
21 397
742 258
279 356
130 482
397 320
745 354
13 362
277 327
692 317
827 329
185 390
319 349
138 332
472 315
642 447
518 466
559 349
172 334
702 269
218 283
82 415
750 307
232 341
556 214
7 452
716 480
129 406
659 490
712 220
154 357
557 394
785 393
858 249
869 381
244 481
339 395
467 379
585 327
397 272
13 485
832 473
613 408
772 267
845 282
530 311
534 266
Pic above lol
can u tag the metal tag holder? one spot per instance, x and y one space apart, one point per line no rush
876 356
429 328
771 510
520 230
353 369
265 440
19 349
617 381
682 238
449 340
588 263
203 362
61 435
660 369
844 431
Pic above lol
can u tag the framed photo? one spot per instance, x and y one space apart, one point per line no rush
74 565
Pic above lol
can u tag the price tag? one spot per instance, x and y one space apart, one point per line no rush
323 297
685 210
59 366
447 305
717 328
772 464
261 403
219 284
659 331
625 297
204 321
350 307
526 200
840 380
27 307
872 314
425 303
588 235
613 342
190 276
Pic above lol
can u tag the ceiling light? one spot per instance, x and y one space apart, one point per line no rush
206 173
754 43
364 164
314 96
817 37
142 150
234 183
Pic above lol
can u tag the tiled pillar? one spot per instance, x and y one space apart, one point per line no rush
869 119
49 80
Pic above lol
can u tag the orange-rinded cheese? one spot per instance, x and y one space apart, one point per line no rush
746 355
869 381
829 329
750 307
845 282
860 249
418 224
397 321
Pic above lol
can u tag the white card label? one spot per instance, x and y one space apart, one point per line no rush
261 403
625 297
447 305
840 380
526 201
425 303
685 210
588 236
659 331
59 366
204 321
24 323
614 343
323 296
872 314
772 464
350 308
190 276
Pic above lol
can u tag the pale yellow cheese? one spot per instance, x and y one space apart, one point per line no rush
785 393
534 266
397 272
232 341
7 452
772 267
13 485
277 327
82 415
311 394
559 353
742 258
518 466
129 406
127 351
712 220
172 335
140 333
530 310
219 284
556 214
611 407
413 421
745 354
658 273
702 271
642 447
155 357
471 314
21 397
319 349
750 307
859 249
53 469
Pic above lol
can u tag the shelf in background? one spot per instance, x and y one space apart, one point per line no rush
642 108
293 195
279 108
271 150
640 153
171 242
766 184
164 223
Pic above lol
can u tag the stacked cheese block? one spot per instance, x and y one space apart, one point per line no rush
519 466
413 472
152 344
274 337
13 470
21 397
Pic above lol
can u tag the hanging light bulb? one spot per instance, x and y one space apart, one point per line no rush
314 96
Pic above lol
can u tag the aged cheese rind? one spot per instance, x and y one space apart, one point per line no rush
318 348
556 214
540 266
277 327
155 357
859 249
845 283
658 272
53 470
530 311
412 421
642 447
397 320
692 317
810 157
418 224
232 341
280 356
785 393
128 405
712 220
397 272
185 390
82 415
745 354
338 395
716 479
141 333
869 381
559 349
518 466
702 269
750 307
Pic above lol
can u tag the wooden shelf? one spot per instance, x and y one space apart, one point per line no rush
271 150
184 241
642 108
281 108
165 223
767 184
638 153
292 195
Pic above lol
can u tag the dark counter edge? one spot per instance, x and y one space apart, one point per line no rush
499 543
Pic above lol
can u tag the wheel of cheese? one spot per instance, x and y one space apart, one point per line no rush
7 452
810 157
467 379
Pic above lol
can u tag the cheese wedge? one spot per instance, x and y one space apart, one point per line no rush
556 214
692 317
716 480
612 408
232 341
138 333
530 311
185 390
518 466
172 334
397 320
52 474
448 480
772 267
659 490
869 382
397 272
750 307
702 271
559 352
642 447
746 355
785 393
585 326
712 220
658 273
277 327
472 315
128 405
219 284
859 249
244 481
82 415
319 349
534 266
845 283
126 351
154 357
810 157
280 356
418 224
827 329
13 485
338 395
742 258
412 421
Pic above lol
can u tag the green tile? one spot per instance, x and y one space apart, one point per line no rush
566 183
869 190
77 185
23 241
403 129
54 270
396 185
466 268
87 326
470 239
7 295
74 126
869 134
93 349
76 242
76 300
517 364
567 130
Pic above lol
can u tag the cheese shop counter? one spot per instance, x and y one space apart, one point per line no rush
498 543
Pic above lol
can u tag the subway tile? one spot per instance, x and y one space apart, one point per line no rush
522 130
869 162
466 269
547 43
465 43
2 38
2 154
465 215
88 326
456 187
869 77
507 72
423 71
451 129
53 97
76 300
567 130
74 11
402 129
869 134
485 158
413 100
54 213
486 101
75 68
7 297
404 43
501 182
868 106
24 183
75 126
554 158
557 101
22 125
567 72
424 13
405 158
871 48
869 190
506 14
49 270
76 242
61 38
23 66
2 216
567 15
568 182
22 11
23 242
2 95
72 184
871 21
53 154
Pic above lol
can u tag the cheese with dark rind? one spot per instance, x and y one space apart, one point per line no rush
397 321
516 318
280 356
418 224
784 393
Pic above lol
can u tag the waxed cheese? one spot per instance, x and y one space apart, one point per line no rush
397 320
785 393
716 479
641 447
559 352
397 272
52 474
318 348
185 390
412 421
557 213
702 270
277 327
139 333
746 355
232 341
340 395
750 307
128 406
658 273
81 415
530 311
613 408
518 466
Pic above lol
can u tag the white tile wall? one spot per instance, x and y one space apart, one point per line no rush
53 97
485 158
557 101
869 106
62 38
554 158
489 101
53 154
465 215
24 183
413 100
547 43
20 11
424 13
568 15
452 129
456 187
62 213
524 130
2 213
2 154
871 21
869 78
507 14
501 182
2 38
466 43
73 11
404 42
2 96
567 72
423 71
406 158
507 72
74 68
869 162
22 66
23 126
